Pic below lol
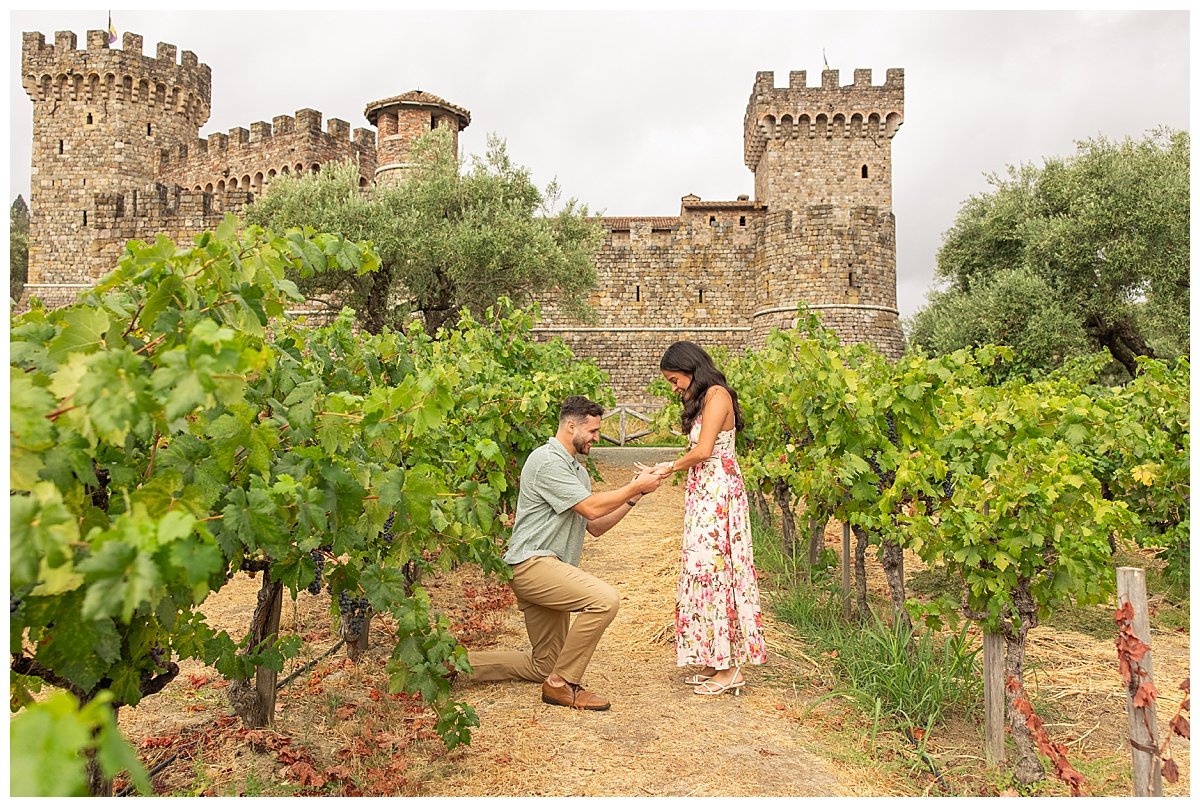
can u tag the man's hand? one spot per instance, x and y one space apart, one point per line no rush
646 482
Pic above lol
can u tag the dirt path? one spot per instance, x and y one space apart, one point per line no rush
658 739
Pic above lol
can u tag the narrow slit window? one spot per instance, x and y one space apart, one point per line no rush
852 279
637 294
89 119
742 221
85 218
702 296
432 122
864 172
60 147
147 129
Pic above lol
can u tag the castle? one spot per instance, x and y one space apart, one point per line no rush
117 156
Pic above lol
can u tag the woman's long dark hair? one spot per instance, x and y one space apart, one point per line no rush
690 358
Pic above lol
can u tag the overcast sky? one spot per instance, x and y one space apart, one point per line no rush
631 110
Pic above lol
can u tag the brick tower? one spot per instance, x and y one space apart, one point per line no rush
101 119
822 163
401 120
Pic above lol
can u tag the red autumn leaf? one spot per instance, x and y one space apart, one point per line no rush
197 681
339 772
1124 613
347 710
918 734
1126 670
1170 771
306 775
1186 686
1146 694
1181 726
1136 648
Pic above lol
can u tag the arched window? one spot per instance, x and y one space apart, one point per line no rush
864 172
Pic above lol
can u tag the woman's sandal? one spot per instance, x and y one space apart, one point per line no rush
696 679
734 687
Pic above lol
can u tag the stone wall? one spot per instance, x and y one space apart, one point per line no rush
248 159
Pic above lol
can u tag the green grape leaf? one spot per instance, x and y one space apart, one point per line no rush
82 331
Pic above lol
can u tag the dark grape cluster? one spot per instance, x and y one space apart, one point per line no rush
873 461
158 655
14 602
354 614
893 437
948 484
318 559
386 535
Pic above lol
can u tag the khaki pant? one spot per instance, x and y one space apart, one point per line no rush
548 592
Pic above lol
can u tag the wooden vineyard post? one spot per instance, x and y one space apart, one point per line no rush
993 698
1143 720
846 570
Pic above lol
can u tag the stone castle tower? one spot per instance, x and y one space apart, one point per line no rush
117 156
820 231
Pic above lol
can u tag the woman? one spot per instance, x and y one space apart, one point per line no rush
718 623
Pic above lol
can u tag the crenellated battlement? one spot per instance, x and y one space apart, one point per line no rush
304 126
168 82
832 110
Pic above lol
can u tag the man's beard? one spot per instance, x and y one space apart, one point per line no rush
582 445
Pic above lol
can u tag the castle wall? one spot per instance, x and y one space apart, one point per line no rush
248 159
661 280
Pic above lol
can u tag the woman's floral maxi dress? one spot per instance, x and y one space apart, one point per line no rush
718 622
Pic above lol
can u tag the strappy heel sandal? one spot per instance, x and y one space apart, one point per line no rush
734 687
696 680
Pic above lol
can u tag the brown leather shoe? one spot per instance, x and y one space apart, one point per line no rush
573 696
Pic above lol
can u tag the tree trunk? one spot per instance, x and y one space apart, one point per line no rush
358 641
255 705
816 542
1028 768
378 295
97 783
892 557
760 504
860 573
787 521
1122 339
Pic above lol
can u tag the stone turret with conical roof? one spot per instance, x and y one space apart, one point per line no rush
401 120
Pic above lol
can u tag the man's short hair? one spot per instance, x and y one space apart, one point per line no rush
578 407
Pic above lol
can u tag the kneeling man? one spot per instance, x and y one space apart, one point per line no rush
554 507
